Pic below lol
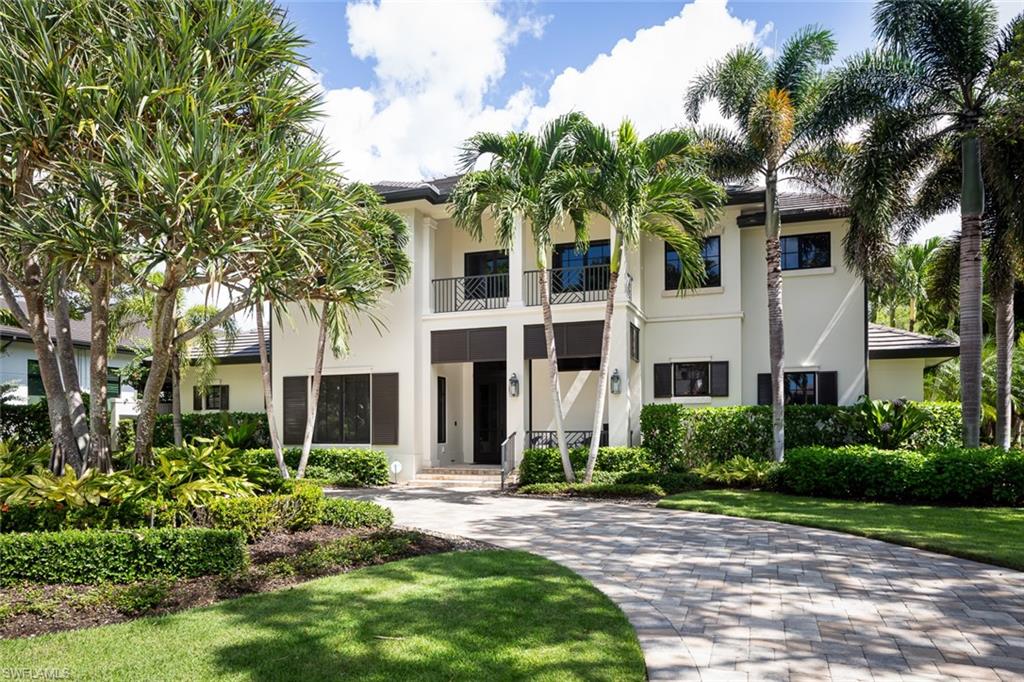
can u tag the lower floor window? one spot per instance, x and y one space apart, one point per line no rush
35 380
691 378
343 411
801 388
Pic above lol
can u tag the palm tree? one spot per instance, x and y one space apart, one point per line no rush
905 286
518 184
773 105
644 186
926 91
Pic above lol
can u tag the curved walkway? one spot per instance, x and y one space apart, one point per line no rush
714 597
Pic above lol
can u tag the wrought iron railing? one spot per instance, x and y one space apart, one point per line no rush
508 457
477 292
585 284
573 439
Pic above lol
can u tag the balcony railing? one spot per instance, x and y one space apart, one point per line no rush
478 292
584 284
573 439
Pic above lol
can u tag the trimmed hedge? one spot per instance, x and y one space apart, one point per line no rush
30 424
348 467
196 425
345 513
980 477
254 516
96 556
682 437
544 465
608 490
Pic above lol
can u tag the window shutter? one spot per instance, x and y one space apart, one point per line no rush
384 412
663 380
197 400
828 388
225 391
764 389
294 399
719 379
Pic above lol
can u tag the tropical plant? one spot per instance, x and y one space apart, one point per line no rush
906 287
925 95
737 472
17 459
653 186
886 423
773 104
517 185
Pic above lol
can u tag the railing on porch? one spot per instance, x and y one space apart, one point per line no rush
508 457
573 439
583 284
477 292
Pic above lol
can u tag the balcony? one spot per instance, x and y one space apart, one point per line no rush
479 292
583 284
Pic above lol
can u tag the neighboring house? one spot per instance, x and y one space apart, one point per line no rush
19 367
461 363
236 386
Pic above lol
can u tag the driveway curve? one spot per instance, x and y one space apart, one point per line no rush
715 597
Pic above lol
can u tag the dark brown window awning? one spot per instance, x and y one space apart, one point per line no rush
482 344
572 340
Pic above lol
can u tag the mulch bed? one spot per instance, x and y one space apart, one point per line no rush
54 608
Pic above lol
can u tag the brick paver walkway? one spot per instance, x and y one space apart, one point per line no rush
714 597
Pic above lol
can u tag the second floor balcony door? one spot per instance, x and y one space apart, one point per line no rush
486 275
576 273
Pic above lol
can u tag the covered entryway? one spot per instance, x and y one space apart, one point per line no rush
488 411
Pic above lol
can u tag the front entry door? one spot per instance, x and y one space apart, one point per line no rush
488 411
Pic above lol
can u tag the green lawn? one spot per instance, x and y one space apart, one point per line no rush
488 615
991 534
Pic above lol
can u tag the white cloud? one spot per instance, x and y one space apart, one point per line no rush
435 65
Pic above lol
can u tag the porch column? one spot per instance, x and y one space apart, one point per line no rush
515 406
515 266
424 229
619 406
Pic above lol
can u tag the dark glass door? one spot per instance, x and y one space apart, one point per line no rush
488 411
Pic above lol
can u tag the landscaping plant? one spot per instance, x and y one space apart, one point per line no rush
889 424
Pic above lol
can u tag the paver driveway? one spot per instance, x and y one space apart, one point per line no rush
714 597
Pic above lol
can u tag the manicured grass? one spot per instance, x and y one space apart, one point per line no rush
991 534
487 615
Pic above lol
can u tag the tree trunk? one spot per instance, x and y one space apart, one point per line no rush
268 397
912 315
163 340
972 202
1003 302
179 438
552 353
69 376
776 331
314 392
606 342
99 417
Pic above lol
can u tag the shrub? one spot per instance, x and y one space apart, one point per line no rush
738 472
96 556
29 424
544 465
356 514
609 490
886 423
350 467
671 482
301 509
203 425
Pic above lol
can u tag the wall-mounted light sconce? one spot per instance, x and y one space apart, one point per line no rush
513 385
616 382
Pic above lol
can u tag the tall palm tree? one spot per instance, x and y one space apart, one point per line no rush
773 104
906 284
652 186
927 90
517 184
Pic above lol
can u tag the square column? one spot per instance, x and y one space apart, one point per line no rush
515 406
516 256
620 406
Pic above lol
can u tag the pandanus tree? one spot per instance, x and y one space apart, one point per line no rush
652 186
930 86
772 105
518 186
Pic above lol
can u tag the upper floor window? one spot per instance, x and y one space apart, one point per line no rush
805 251
712 254
585 270
691 379
478 265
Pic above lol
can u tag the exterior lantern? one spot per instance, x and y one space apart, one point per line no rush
616 382
513 385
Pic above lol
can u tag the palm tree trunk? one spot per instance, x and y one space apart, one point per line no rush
552 353
972 202
1004 364
69 374
606 341
268 397
912 314
179 436
99 340
314 392
776 331
163 344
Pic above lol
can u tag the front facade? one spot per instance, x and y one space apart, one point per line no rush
460 366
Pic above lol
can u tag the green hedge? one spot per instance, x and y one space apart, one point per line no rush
300 509
544 465
196 425
980 477
96 556
350 467
30 424
607 490
345 513
682 437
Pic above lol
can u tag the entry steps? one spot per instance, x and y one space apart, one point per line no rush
466 476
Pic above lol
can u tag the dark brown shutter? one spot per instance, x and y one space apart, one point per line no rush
663 380
764 389
448 345
828 388
533 342
225 392
719 379
197 399
583 339
295 408
468 345
384 410
486 344
634 342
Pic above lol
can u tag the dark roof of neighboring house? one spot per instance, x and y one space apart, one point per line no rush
242 349
794 207
81 331
888 343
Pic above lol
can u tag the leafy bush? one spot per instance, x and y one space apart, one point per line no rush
682 437
738 472
345 513
347 551
544 465
671 482
29 424
885 423
17 458
203 425
349 467
137 597
982 476
96 556
254 516
609 490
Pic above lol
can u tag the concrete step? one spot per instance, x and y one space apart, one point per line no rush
463 471
456 477
481 483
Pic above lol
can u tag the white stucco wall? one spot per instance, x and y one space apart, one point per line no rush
243 379
903 378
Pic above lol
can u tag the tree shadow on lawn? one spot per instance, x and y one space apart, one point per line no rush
476 616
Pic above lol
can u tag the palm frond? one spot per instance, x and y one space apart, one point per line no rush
802 56
734 81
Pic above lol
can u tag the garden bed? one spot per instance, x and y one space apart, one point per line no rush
277 560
